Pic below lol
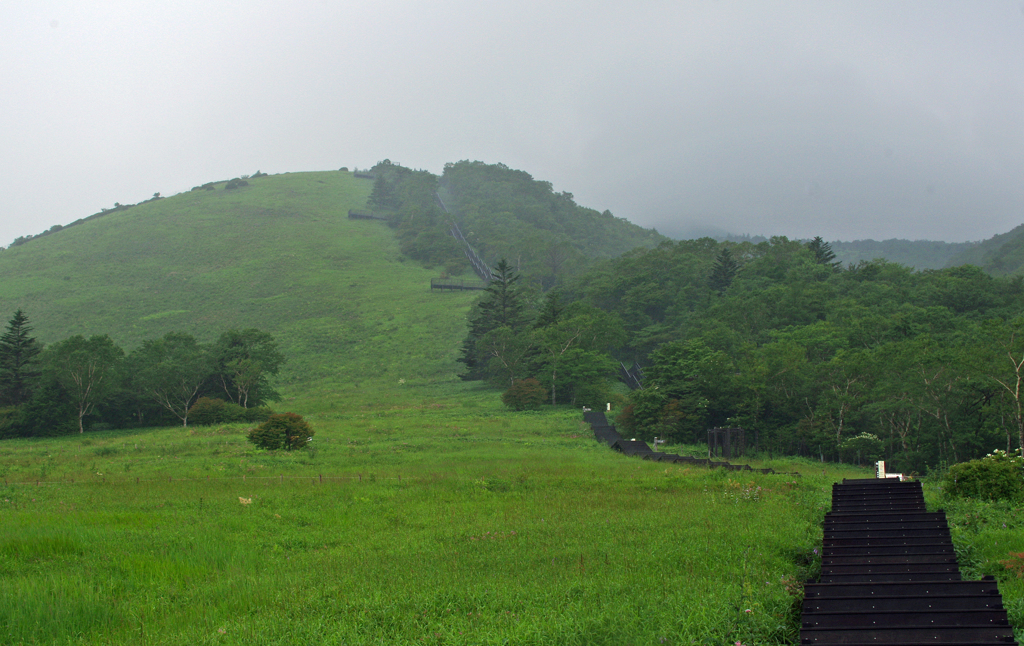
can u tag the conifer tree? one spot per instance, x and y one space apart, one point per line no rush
723 272
823 254
18 352
502 306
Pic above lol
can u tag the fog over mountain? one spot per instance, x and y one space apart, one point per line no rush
844 119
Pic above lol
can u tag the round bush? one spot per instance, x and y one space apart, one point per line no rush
282 431
997 476
525 394
207 411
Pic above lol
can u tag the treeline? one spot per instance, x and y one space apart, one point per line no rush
503 213
90 383
916 254
541 348
872 361
554 353
875 360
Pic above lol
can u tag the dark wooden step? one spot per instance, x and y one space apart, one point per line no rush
889 541
944 547
891 577
985 587
896 619
903 603
888 517
895 559
950 635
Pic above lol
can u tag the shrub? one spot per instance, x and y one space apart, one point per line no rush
236 183
997 476
207 411
282 431
525 394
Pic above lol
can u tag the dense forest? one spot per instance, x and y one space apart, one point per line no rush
875 360
502 213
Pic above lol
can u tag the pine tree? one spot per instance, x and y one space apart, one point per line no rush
502 305
823 254
723 272
18 352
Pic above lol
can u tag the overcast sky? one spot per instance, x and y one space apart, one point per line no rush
848 120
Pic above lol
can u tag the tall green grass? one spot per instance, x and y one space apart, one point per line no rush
440 522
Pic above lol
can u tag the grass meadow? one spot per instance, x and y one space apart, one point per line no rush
429 521
422 512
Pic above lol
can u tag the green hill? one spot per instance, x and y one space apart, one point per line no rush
1000 255
916 254
278 254
502 213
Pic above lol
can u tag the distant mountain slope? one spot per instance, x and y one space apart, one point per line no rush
503 213
1000 255
278 254
510 213
919 254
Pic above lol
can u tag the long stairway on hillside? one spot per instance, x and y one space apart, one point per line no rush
889 576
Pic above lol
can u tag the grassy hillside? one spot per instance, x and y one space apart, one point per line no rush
1000 255
279 254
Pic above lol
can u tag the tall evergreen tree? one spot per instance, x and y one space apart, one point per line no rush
502 306
723 272
822 251
18 352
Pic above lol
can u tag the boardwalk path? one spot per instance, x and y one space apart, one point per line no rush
889 576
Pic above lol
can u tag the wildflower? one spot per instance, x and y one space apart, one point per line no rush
222 631
748 611
245 501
